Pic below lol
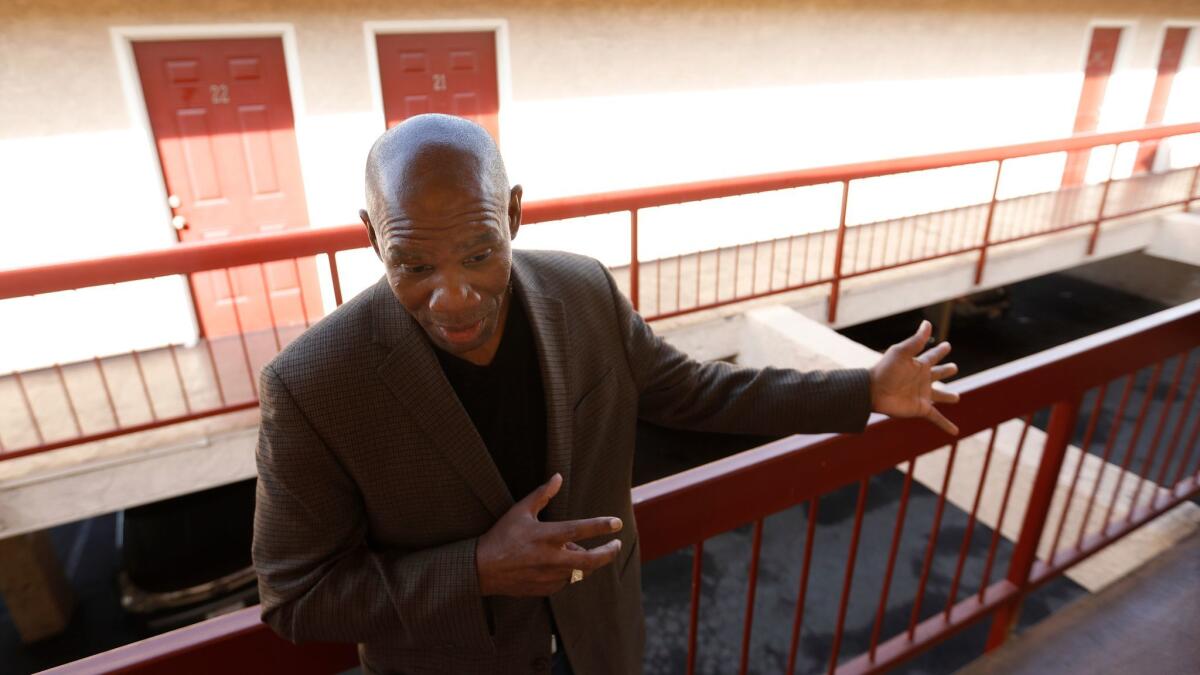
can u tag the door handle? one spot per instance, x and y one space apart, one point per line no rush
179 223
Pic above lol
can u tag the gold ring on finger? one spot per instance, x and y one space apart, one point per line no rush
576 575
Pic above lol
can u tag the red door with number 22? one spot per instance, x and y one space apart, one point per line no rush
222 120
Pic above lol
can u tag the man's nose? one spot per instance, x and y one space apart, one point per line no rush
453 295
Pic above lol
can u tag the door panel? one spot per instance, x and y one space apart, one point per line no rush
222 120
452 73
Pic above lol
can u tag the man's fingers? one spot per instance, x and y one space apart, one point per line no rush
539 498
941 396
939 419
912 345
935 354
592 559
574 530
943 371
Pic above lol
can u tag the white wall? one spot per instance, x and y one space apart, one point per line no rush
70 196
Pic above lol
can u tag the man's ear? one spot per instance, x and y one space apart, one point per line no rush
362 213
514 211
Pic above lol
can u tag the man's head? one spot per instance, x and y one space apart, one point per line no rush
441 217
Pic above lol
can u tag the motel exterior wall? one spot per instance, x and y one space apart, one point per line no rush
593 96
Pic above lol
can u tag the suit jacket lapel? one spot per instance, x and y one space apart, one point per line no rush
413 374
548 323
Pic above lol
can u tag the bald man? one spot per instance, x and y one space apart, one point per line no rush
445 460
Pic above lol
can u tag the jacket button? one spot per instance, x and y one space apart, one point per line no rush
540 664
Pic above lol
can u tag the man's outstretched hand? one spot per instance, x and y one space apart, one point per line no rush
524 556
902 381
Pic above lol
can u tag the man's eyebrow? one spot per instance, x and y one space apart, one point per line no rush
489 237
396 251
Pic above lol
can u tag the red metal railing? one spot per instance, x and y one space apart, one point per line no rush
803 470
750 486
74 401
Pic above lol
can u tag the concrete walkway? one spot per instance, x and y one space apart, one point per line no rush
1148 622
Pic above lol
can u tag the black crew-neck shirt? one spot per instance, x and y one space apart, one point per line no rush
505 402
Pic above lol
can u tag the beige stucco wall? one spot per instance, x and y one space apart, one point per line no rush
56 55
603 95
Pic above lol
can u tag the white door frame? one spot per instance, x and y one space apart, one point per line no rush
123 38
1191 50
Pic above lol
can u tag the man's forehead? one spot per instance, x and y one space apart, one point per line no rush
408 238
438 195
440 210
404 231
431 163
427 176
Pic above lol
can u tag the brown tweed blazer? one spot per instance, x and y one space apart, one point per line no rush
373 484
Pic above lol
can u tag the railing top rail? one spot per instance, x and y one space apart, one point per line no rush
200 256
641 198
179 259
772 477
239 637
168 645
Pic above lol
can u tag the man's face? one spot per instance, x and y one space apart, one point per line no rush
445 241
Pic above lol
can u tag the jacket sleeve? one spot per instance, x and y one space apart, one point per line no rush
678 392
318 578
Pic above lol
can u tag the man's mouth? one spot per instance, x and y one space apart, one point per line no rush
459 335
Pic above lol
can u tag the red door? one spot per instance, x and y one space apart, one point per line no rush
453 73
222 120
1102 53
1168 64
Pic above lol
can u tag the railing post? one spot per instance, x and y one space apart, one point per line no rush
1191 195
835 288
634 267
987 226
1103 201
1063 417
333 274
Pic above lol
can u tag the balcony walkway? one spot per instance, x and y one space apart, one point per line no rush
1148 622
